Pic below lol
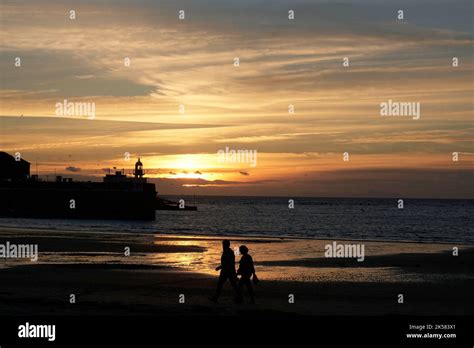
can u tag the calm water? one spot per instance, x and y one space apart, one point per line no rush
370 219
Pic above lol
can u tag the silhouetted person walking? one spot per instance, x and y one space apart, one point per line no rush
227 268
246 270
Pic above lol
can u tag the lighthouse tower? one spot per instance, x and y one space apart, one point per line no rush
138 172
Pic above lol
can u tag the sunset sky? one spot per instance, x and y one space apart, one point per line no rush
283 62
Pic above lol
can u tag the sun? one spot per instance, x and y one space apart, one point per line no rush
187 166
186 163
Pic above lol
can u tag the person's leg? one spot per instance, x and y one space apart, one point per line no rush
233 282
248 283
237 288
220 283
240 285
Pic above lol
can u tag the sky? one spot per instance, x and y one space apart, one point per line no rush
182 100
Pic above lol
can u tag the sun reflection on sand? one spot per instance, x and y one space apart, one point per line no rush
275 258
265 250
202 262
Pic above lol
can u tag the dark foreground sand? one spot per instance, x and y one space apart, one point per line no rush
121 288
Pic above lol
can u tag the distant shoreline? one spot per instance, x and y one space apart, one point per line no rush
168 195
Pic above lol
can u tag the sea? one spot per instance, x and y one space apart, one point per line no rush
377 219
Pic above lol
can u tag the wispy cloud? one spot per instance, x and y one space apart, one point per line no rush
189 63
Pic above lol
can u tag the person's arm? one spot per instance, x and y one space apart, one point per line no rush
218 268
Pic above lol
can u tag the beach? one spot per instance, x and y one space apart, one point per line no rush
161 268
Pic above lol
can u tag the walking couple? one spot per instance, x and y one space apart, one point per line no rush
227 267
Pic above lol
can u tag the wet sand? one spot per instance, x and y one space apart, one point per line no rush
161 268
